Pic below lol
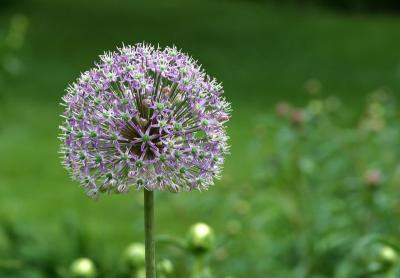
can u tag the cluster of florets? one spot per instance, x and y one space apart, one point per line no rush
144 117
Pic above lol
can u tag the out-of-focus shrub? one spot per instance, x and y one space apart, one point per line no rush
331 185
347 5
11 41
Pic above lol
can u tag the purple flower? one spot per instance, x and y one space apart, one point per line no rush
144 117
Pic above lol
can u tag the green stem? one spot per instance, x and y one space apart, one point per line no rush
165 239
198 267
149 233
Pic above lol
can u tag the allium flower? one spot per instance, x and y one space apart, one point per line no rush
144 117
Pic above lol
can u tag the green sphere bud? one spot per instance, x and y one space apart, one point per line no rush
134 255
165 267
83 268
201 238
388 255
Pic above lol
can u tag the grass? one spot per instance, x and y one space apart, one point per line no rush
262 54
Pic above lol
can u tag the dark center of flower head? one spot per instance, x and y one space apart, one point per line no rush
145 133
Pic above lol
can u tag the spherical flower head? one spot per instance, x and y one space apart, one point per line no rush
144 117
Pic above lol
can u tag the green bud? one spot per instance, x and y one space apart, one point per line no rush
93 134
134 255
388 255
165 267
83 268
200 238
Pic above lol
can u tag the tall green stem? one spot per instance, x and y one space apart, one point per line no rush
198 267
149 233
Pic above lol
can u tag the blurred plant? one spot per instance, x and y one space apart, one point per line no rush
23 255
10 43
317 178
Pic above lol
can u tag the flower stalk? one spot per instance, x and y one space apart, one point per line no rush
149 233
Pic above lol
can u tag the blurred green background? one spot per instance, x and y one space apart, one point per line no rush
261 51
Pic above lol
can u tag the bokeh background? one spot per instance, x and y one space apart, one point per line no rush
312 184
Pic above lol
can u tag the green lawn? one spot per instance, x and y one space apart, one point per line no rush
261 53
